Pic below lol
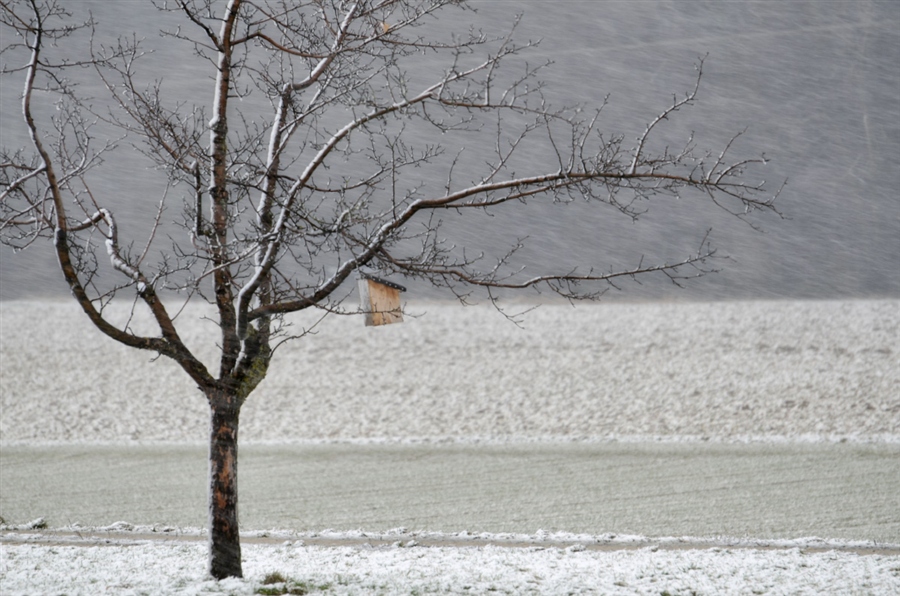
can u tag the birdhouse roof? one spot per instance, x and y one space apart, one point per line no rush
381 281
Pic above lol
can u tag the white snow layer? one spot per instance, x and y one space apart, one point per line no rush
765 371
725 371
178 568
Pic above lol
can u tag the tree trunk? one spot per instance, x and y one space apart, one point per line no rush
224 540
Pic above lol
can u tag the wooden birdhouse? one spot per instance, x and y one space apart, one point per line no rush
379 299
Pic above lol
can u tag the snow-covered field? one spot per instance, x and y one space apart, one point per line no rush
760 372
727 371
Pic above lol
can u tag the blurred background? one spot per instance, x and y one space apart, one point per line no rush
816 85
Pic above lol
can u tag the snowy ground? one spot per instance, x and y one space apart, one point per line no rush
749 373
176 567
731 371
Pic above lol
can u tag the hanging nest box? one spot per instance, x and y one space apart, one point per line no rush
379 299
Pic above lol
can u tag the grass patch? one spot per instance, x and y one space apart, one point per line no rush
273 578
275 584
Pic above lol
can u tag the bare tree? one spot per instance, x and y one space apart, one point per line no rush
316 154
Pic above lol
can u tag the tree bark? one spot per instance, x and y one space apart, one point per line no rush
224 539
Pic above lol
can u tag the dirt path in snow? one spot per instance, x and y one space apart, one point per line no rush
843 491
